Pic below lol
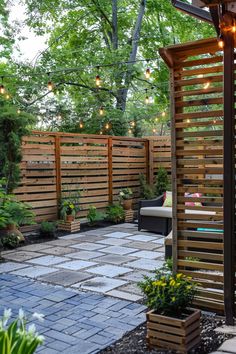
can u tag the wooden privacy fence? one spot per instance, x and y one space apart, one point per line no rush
56 165
197 166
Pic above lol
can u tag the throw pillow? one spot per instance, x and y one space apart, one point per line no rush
168 199
194 195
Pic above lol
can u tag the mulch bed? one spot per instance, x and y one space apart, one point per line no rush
135 341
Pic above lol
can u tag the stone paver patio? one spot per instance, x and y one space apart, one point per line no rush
85 284
108 261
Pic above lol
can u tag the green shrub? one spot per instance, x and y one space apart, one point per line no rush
115 213
94 216
11 241
162 183
15 338
47 228
146 190
168 294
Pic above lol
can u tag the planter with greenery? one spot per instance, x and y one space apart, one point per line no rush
70 208
125 196
160 186
171 323
47 229
115 213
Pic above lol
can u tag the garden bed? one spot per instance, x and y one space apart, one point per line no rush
135 341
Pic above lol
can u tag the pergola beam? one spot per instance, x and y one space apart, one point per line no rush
192 10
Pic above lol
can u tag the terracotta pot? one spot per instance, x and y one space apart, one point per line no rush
127 204
12 229
172 333
70 218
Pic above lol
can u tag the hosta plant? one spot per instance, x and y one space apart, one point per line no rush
16 337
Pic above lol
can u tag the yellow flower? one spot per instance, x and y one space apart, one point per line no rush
172 282
189 287
179 275
178 284
163 284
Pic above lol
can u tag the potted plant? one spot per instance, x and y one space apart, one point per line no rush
115 213
47 229
125 196
70 208
171 323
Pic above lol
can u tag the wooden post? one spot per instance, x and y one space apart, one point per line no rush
150 161
58 169
146 144
110 176
229 177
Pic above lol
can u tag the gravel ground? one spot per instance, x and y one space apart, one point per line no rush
135 341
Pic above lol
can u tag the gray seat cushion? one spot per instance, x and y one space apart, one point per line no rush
164 212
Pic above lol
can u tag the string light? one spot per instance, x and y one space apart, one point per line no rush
101 111
107 126
18 111
214 121
156 119
2 88
147 98
7 96
233 28
101 132
207 85
188 120
98 79
163 114
132 124
154 130
50 84
148 73
220 42
81 125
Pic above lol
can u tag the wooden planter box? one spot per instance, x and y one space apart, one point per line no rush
129 215
70 226
173 333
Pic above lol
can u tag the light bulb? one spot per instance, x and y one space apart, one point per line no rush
132 124
207 85
147 100
214 121
163 114
220 42
188 120
101 132
18 111
234 29
156 119
98 81
2 89
50 85
154 130
130 131
7 96
81 125
107 126
101 111
148 73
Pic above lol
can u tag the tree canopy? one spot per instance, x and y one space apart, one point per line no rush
112 40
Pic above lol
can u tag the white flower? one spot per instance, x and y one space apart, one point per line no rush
41 338
21 315
38 316
32 329
6 315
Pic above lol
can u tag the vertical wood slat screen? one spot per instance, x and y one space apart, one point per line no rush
197 167
56 165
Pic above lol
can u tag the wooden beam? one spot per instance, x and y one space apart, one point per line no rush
58 169
110 169
192 10
229 177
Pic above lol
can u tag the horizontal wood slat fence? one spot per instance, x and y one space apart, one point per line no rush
56 165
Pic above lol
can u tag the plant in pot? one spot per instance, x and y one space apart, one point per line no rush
115 213
125 196
171 323
94 216
69 209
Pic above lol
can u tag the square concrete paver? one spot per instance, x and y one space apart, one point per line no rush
88 246
142 238
229 346
62 242
124 295
10 266
143 245
85 255
136 276
48 260
114 241
21 256
119 250
160 241
57 251
147 254
37 247
76 265
114 259
118 234
109 270
65 277
34 272
143 263
100 284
